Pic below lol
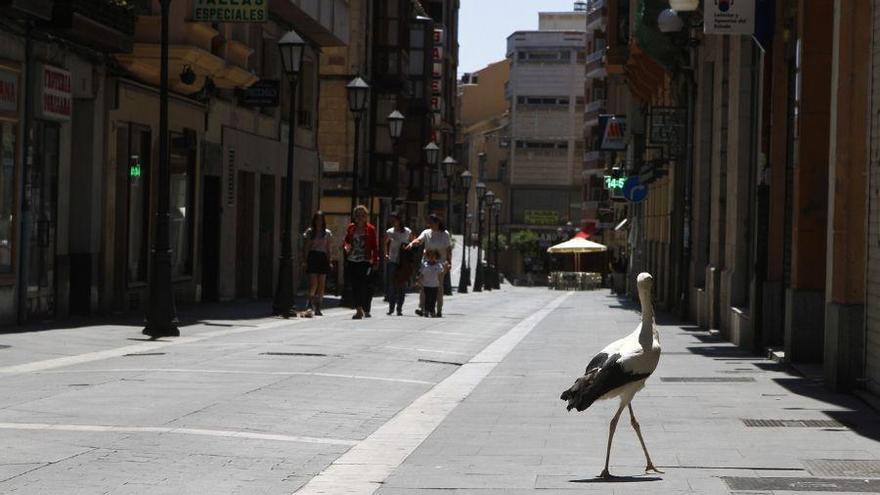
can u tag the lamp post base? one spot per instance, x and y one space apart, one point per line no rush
283 304
464 280
478 279
161 316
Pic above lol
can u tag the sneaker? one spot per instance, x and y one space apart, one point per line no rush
390 311
368 315
358 315
318 312
399 313
420 312
439 314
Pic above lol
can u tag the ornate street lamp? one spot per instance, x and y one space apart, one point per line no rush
161 313
432 154
292 48
464 278
395 129
489 270
478 279
358 96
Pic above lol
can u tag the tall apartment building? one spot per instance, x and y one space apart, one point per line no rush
546 93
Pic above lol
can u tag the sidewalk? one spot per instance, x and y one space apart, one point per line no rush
512 435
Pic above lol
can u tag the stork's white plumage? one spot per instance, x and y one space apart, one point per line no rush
620 370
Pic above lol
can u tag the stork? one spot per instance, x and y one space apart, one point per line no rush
621 370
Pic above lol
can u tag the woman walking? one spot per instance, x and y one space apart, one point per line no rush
435 238
317 259
361 249
396 277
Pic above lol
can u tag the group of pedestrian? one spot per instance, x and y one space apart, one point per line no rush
404 266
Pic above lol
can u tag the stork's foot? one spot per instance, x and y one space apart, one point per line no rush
606 475
650 468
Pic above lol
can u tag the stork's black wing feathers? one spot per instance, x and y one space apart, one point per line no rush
602 376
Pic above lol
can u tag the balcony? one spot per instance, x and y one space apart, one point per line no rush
595 66
99 24
325 22
597 15
193 44
37 9
592 112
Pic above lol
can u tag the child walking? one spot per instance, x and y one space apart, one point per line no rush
431 275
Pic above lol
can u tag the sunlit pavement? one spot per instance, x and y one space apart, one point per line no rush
466 404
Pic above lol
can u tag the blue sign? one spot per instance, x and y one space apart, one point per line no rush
634 190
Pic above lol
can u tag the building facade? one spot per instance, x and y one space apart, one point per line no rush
546 94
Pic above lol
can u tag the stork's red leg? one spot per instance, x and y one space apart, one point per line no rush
635 425
613 426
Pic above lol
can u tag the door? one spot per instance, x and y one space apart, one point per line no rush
244 244
211 239
44 222
265 273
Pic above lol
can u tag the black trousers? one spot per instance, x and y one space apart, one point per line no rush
361 288
431 300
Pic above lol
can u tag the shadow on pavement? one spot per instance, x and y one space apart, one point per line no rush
187 314
619 479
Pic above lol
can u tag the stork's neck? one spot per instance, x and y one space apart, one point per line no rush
646 335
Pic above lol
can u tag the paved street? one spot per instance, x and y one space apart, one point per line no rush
467 404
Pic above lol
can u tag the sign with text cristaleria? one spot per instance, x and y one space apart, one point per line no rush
729 16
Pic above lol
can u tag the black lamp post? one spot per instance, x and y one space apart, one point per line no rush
497 209
432 153
395 129
449 164
292 47
161 314
488 274
358 92
478 278
464 278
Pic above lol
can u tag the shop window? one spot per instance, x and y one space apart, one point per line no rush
8 143
181 211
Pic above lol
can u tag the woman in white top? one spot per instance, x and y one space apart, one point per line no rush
316 259
397 237
436 238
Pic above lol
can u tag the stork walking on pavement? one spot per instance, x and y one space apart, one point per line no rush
621 370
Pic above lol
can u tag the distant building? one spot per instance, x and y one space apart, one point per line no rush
546 94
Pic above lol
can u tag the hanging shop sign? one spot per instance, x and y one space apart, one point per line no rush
612 128
8 91
437 73
54 94
666 128
230 10
729 16
263 93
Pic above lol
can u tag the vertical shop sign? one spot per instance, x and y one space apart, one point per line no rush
54 94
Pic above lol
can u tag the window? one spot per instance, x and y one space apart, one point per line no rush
8 144
551 101
183 164
542 145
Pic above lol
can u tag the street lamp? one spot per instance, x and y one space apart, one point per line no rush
395 129
464 277
358 93
161 314
449 164
432 153
478 279
488 274
292 47
497 207
669 22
